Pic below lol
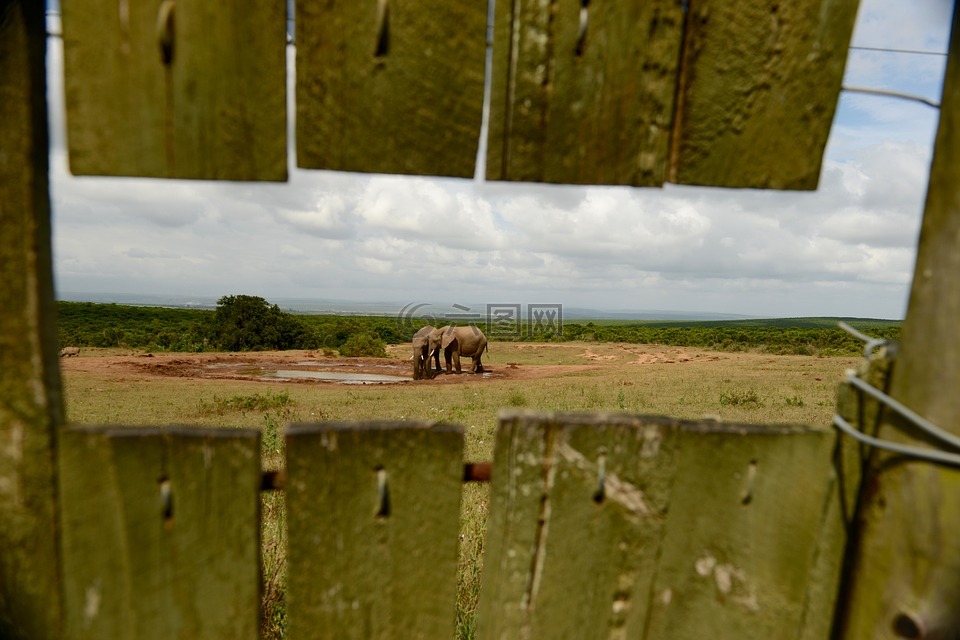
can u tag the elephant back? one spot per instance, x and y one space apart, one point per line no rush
469 341
423 333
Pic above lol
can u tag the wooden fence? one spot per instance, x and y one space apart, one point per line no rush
600 525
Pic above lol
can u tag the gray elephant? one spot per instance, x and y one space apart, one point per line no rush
425 346
462 341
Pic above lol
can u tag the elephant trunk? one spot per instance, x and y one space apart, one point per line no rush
417 367
427 368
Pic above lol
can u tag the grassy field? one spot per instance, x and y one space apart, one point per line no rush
571 376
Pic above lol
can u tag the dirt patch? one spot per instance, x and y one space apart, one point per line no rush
590 355
270 365
259 366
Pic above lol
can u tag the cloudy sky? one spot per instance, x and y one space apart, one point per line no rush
845 250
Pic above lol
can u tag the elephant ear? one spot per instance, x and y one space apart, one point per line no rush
448 338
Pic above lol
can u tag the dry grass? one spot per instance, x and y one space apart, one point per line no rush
684 383
274 562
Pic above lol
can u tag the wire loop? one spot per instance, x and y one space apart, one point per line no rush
915 419
871 343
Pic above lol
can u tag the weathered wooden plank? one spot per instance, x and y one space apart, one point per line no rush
161 533
30 399
583 92
390 87
753 540
562 561
699 531
211 105
372 519
904 581
759 86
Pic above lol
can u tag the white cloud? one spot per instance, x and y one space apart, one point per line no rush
429 211
903 25
329 218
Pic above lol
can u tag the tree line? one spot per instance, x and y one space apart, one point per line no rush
238 323
828 340
250 323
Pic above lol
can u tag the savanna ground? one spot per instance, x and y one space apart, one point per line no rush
113 386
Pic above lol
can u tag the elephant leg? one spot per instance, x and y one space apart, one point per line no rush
447 355
456 360
423 365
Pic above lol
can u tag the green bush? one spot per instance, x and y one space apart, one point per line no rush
740 398
516 398
250 323
363 345
254 402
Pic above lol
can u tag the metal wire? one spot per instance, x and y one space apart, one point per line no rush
913 417
871 343
916 52
892 94
930 455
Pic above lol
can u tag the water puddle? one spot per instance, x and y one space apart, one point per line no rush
308 371
342 377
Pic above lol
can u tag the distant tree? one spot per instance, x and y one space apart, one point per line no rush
250 323
363 345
